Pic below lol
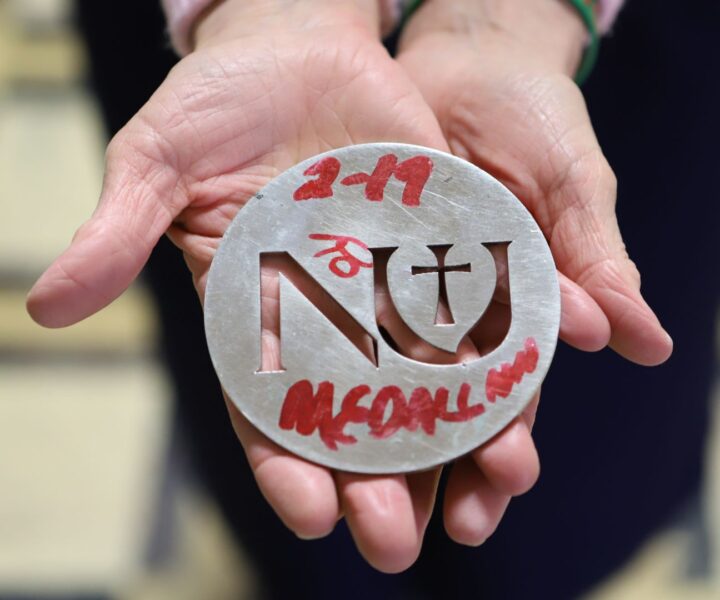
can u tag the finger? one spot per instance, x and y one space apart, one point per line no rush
510 461
578 213
473 508
380 512
108 252
588 247
583 323
423 487
301 493
376 505
530 412
636 332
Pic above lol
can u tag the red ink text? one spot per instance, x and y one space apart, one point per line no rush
327 171
500 382
352 263
413 172
307 411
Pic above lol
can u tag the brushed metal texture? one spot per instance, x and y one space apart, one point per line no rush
329 402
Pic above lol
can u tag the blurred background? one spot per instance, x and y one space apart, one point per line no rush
94 498
97 497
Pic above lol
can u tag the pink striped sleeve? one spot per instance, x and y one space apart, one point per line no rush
607 13
181 15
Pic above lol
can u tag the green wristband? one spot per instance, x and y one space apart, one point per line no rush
584 7
410 9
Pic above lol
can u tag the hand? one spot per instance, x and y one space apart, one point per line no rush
497 74
268 86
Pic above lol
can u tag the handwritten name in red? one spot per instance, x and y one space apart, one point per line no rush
307 411
413 172
500 381
352 264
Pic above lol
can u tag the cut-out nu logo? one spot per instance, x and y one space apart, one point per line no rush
382 308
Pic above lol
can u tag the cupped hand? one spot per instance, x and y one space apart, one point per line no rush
264 89
498 77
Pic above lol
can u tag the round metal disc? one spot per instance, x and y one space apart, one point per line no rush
337 390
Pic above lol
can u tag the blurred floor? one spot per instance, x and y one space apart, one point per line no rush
85 413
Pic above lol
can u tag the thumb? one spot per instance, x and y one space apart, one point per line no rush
108 252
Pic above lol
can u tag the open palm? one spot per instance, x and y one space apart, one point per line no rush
227 119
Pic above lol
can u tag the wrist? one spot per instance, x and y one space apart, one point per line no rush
547 34
225 20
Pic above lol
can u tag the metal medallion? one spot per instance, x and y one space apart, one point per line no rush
420 224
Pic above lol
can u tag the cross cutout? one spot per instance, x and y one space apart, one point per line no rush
441 269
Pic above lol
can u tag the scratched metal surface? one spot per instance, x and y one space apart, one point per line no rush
459 206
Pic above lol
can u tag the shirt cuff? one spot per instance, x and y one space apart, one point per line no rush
607 13
181 14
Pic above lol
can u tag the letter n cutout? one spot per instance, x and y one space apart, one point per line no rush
304 283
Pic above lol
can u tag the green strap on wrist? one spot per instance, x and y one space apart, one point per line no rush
410 8
586 10
587 13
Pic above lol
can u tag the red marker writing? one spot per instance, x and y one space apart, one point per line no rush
352 263
500 381
307 411
414 172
